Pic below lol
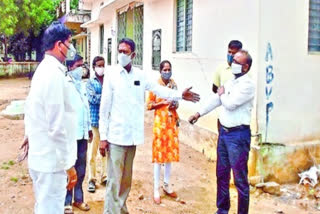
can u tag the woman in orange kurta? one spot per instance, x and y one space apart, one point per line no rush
165 147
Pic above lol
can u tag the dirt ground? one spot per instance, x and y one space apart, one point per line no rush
193 178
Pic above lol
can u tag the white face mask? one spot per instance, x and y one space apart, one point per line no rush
99 70
236 68
124 59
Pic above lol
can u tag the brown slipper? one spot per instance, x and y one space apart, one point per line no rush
82 206
172 194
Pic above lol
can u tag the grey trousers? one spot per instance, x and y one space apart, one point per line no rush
119 169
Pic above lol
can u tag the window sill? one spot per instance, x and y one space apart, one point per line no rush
314 53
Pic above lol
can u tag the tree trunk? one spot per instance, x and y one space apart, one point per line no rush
5 49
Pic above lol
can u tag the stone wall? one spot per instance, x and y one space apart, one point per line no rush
17 69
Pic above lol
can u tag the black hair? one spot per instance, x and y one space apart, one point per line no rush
129 42
164 62
55 32
86 67
235 44
96 59
70 63
248 58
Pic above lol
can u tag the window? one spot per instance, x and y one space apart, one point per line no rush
156 49
184 25
109 51
314 26
101 38
130 24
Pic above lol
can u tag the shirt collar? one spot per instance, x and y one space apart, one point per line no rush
122 69
53 59
243 77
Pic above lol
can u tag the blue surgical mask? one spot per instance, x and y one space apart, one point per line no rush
77 73
166 75
229 58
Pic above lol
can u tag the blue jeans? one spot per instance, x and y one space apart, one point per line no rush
232 153
80 167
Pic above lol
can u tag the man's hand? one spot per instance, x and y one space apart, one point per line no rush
194 118
190 96
25 148
103 146
90 136
72 178
221 90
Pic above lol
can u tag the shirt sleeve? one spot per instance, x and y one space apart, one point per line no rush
212 102
105 108
162 91
238 97
55 116
93 97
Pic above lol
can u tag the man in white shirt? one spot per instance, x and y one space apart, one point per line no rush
121 123
50 124
236 98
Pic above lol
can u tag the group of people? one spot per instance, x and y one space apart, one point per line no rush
64 112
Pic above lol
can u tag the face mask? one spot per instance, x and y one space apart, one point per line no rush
124 59
71 52
166 75
99 71
236 68
77 73
229 58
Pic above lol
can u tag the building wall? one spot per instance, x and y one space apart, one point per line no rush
294 118
215 23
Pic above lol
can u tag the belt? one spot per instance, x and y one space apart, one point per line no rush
235 128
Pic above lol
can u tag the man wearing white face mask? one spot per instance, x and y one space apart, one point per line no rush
121 123
94 90
236 98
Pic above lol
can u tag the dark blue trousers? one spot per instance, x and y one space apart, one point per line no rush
80 167
232 153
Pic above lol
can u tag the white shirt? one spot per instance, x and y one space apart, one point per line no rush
122 105
50 120
81 105
236 102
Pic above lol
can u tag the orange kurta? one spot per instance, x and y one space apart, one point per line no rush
165 146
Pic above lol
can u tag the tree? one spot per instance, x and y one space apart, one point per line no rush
25 16
9 20
18 46
74 4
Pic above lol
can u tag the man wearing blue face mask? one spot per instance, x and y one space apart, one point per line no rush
236 98
81 105
223 72
50 124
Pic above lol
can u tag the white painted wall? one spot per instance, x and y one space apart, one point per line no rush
296 113
215 23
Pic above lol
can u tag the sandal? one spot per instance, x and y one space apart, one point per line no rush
171 194
82 206
68 209
91 187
